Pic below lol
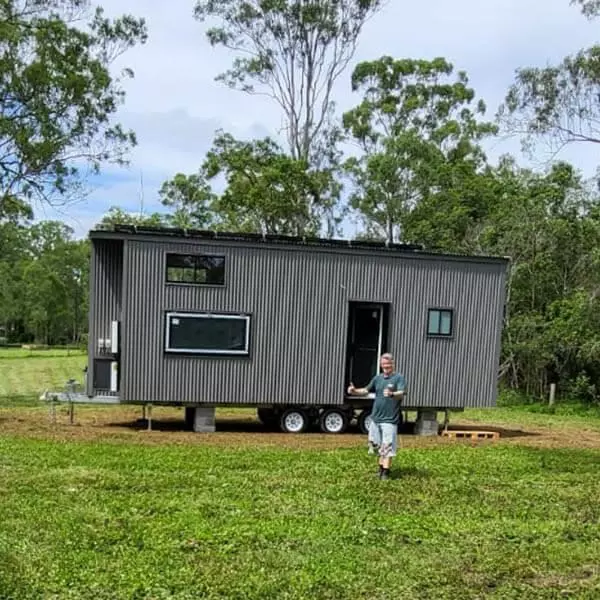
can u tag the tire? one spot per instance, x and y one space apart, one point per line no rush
294 420
364 419
267 416
333 420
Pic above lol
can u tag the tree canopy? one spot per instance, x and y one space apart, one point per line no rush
57 98
293 52
43 283
416 129
557 104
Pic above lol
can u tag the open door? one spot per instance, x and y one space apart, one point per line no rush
367 340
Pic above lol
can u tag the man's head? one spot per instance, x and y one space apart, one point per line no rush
387 363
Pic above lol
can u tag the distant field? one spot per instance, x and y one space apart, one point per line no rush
30 372
38 353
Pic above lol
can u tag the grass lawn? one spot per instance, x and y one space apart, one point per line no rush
38 352
30 372
117 520
104 510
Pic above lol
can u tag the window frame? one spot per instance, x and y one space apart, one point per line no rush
196 256
440 310
247 317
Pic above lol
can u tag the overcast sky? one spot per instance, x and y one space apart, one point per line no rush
174 105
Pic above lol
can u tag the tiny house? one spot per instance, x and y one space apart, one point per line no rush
202 319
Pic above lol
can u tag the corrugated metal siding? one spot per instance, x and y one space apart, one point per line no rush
299 305
106 293
459 371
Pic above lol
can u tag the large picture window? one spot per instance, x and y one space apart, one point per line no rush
200 269
207 333
439 322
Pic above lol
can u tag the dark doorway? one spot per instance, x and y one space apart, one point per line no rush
367 341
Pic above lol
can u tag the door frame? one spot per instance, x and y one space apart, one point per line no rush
383 309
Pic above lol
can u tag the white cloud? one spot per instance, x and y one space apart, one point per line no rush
174 104
175 140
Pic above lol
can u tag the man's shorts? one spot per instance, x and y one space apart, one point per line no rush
383 439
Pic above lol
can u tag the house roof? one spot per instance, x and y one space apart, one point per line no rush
126 231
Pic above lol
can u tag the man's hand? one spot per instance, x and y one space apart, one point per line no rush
351 389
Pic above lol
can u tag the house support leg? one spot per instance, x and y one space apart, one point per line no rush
204 419
446 420
149 416
427 423
190 411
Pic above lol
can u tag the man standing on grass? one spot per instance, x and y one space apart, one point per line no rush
385 415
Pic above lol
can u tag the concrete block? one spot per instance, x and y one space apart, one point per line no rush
204 419
426 423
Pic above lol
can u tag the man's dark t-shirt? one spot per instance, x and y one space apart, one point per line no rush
386 410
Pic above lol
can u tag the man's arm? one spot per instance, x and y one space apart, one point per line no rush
362 391
400 387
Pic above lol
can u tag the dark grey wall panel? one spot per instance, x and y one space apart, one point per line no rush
298 299
106 277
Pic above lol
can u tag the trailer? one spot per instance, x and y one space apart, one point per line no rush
202 319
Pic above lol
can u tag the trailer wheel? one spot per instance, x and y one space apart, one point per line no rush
333 421
294 420
364 420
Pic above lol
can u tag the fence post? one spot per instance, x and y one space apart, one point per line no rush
552 394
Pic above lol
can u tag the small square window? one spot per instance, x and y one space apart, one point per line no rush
440 322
